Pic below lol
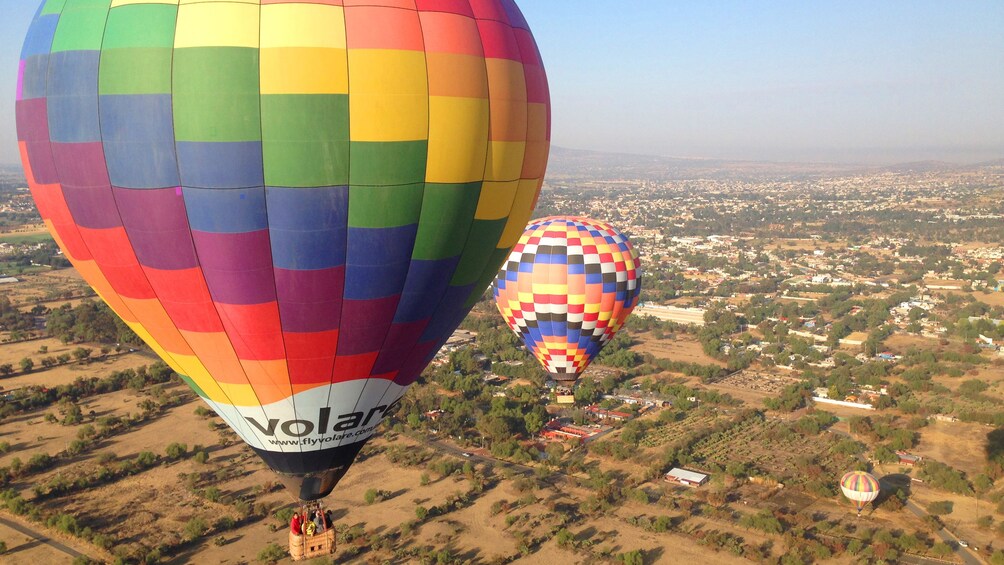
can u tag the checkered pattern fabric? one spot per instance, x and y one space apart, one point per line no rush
567 288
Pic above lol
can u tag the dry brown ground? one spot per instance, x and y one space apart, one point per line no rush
902 342
62 374
610 532
484 534
683 348
958 444
993 298
805 244
962 520
550 553
38 285
29 433
753 398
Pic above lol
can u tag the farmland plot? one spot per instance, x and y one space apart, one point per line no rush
773 447
672 431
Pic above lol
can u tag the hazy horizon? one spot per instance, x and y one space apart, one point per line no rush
847 82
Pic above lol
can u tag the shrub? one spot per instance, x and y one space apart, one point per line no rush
421 512
284 515
176 450
941 549
272 553
146 459
201 457
632 558
371 496
941 507
212 494
195 528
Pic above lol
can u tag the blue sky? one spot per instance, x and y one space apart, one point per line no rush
850 81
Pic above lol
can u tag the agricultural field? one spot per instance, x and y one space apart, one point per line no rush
765 383
774 448
48 287
670 432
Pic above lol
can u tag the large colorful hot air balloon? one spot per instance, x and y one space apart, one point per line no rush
860 488
293 202
567 288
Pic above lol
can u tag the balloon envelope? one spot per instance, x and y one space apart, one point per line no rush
566 289
860 488
293 203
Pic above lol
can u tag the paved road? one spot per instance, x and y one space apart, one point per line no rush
41 539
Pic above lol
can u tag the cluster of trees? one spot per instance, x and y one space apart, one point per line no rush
35 397
45 253
89 321
12 319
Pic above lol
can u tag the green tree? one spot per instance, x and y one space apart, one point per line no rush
273 553
195 528
26 365
176 450
940 507
632 558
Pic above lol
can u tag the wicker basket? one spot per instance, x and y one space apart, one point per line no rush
303 547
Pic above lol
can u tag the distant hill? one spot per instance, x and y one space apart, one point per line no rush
598 165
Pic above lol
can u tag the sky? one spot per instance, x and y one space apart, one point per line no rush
827 81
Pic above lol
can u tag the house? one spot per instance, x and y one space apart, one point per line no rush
597 412
686 478
434 415
908 458
495 380
564 431
564 399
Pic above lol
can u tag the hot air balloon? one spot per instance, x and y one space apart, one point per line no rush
860 488
566 289
294 203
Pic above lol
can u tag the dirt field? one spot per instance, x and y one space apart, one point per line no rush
958 444
993 298
620 537
484 534
900 343
47 285
62 374
683 348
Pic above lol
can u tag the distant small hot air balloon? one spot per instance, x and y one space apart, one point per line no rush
860 488
293 202
567 288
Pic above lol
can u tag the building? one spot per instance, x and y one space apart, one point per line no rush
908 458
556 430
597 412
564 399
686 478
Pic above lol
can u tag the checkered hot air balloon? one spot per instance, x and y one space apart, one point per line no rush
293 202
860 488
567 288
